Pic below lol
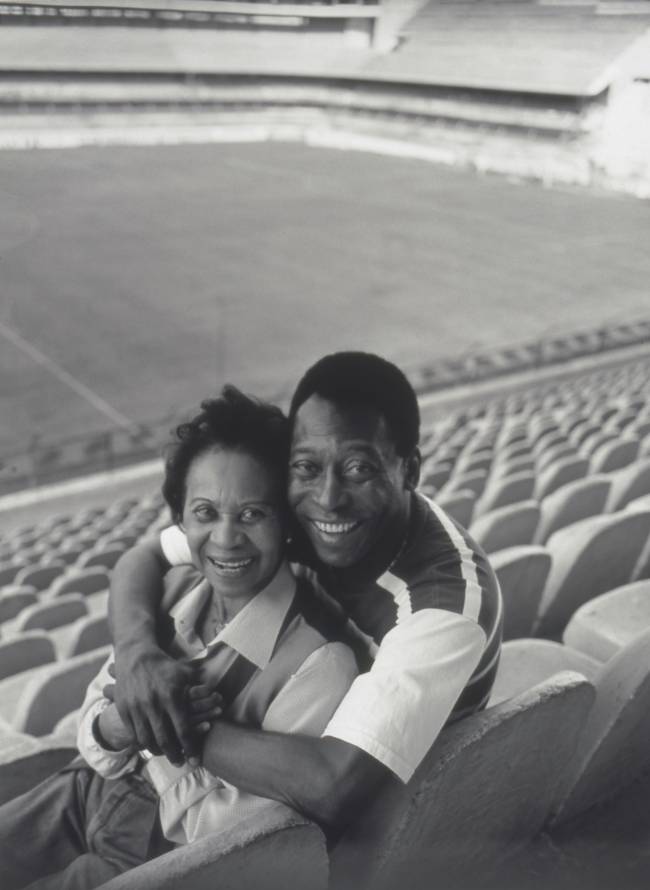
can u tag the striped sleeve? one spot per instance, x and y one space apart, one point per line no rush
395 711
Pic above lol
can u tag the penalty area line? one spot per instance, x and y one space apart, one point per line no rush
63 376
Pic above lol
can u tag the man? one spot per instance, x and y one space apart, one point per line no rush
412 583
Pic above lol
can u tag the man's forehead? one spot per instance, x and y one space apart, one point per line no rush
319 420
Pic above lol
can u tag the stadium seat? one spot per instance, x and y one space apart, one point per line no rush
475 461
9 570
57 690
526 662
474 482
548 456
66 728
14 598
87 633
40 577
104 558
80 581
482 792
436 474
627 484
278 850
571 503
459 505
23 651
503 468
589 558
614 455
522 574
502 492
559 473
613 748
506 526
48 615
25 761
609 622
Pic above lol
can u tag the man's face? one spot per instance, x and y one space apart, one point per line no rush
348 488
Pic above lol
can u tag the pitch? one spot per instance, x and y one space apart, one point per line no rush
135 281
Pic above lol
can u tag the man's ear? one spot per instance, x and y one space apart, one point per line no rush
413 463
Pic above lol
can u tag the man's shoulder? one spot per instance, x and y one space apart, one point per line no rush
443 567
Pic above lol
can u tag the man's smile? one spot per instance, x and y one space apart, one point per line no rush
334 529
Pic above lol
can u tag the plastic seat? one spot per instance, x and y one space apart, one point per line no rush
560 473
482 792
40 577
105 558
57 690
522 574
589 558
48 615
502 492
24 651
14 598
436 474
80 581
627 484
614 455
613 748
608 623
276 851
571 503
474 482
87 633
9 570
506 526
459 505
526 662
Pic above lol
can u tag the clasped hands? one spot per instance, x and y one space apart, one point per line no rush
160 704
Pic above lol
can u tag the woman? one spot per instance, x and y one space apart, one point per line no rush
265 654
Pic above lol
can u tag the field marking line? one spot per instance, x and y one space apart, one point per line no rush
97 402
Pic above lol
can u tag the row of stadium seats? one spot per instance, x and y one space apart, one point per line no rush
574 565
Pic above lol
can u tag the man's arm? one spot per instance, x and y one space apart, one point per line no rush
324 778
384 726
150 691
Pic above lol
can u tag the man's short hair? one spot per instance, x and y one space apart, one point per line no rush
353 379
234 421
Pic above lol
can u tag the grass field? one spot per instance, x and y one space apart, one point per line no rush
134 281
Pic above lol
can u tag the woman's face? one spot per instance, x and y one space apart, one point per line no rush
233 518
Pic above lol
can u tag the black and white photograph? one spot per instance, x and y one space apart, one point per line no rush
325 445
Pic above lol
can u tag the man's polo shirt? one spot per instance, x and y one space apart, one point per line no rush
279 667
431 625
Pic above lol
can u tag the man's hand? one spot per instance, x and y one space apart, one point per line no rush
150 695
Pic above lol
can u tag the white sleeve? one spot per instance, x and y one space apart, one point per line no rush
109 764
173 543
194 803
395 711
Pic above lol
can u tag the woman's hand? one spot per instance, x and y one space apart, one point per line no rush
112 732
204 705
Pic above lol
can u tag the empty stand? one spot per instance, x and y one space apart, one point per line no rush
80 581
589 557
56 691
613 748
506 526
485 787
571 503
526 662
24 651
48 615
609 622
14 598
522 574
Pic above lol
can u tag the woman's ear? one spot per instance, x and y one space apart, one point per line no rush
413 463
